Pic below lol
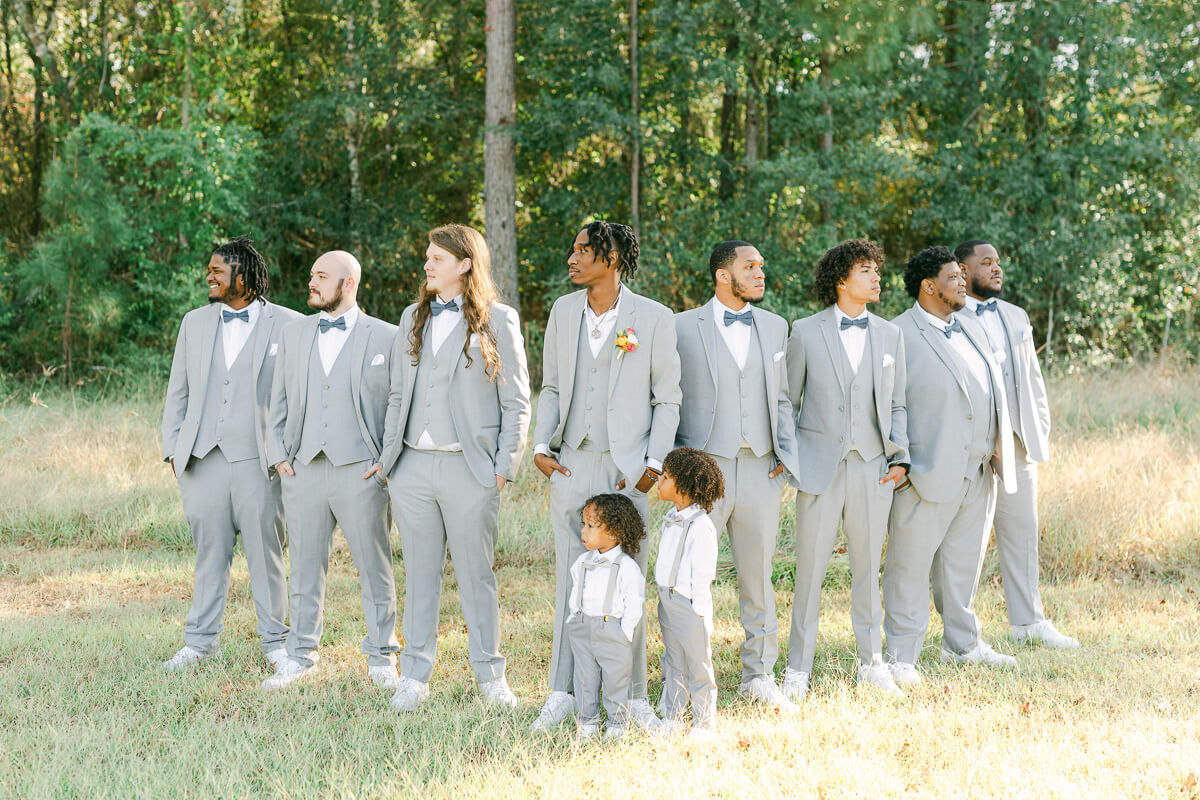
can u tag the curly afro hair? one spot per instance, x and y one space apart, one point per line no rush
617 514
696 476
836 264
926 264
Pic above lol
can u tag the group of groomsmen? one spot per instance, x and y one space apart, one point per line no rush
925 431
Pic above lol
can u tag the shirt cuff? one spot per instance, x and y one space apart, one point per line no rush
654 463
541 449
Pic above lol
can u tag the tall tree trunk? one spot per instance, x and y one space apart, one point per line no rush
350 115
827 218
635 161
37 159
752 111
186 111
728 124
499 148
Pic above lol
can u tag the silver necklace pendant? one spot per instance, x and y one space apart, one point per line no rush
595 333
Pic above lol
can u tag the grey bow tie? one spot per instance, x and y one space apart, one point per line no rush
745 317
953 327
990 305
861 322
674 515
438 308
326 324
229 316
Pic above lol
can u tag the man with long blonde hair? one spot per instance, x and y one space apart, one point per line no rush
454 435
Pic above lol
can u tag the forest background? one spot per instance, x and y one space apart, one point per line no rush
135 136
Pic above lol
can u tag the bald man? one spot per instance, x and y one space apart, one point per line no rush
325 430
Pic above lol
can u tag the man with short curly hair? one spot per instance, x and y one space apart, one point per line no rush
846 378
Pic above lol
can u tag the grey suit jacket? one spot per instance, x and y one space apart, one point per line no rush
370 347
490 417
817 379
643 389
1031 420
939 408
199 333
698 341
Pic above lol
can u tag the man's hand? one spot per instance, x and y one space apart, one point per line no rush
897 475
647 480
500 482
549 464
285 468
376 469
773 474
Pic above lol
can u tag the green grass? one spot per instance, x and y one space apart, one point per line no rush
95 580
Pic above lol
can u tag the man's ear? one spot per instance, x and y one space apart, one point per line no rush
464 267
722 276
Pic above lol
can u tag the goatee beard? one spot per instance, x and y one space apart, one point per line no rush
329 307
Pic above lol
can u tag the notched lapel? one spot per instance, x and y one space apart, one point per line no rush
937 341
829 332
573 311
708 340
358 344
262 336
456 340
210 331
626 318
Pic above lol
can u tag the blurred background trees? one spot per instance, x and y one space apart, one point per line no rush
134 136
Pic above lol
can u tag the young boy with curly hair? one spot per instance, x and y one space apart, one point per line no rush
608 595
686 566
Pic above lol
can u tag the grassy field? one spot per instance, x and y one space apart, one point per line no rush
95 579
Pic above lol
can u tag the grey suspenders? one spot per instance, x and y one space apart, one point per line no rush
674 576
614 572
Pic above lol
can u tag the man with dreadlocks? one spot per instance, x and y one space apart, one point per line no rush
213 428
606 418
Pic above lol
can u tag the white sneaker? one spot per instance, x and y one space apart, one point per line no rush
287 673
384 676
187 657
795 685
904 673
613 732
559 706
703 732
670 727
763 690
277 656
1045 633
642 715
981 653
588 730
877 676
409 694
498 693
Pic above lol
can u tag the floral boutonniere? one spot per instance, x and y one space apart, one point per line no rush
626 342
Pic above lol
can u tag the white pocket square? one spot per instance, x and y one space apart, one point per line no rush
377 360
1026 334
274 349
474 340
777 357
999 355
888 360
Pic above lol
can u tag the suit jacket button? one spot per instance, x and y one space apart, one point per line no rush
970 416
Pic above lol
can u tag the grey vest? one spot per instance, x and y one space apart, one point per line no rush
983 418
588 415
861 426
227 421
430 406
330 421
742 414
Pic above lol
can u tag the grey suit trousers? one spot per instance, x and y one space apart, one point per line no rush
686 660
220 500
592 472
856 499
602 656
318 496
938 544
749 512
438 503
1017 532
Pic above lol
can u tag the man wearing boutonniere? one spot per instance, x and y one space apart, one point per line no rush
325 433
213 426
1016 520
454 436
735 408
606 418
959 438
845 367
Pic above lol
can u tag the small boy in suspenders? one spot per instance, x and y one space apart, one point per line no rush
608 595
686 566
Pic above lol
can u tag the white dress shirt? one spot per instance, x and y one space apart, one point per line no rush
235 333
969 359
602 323
854 340
629 599
330 343
699 564
444 323
735 336
993 326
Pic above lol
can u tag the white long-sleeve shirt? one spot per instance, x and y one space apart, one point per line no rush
629 599
699 564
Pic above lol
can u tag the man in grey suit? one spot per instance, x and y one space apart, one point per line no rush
735 408
454 436
606 419
845 368
212 431
325 433
1016 521
958 434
